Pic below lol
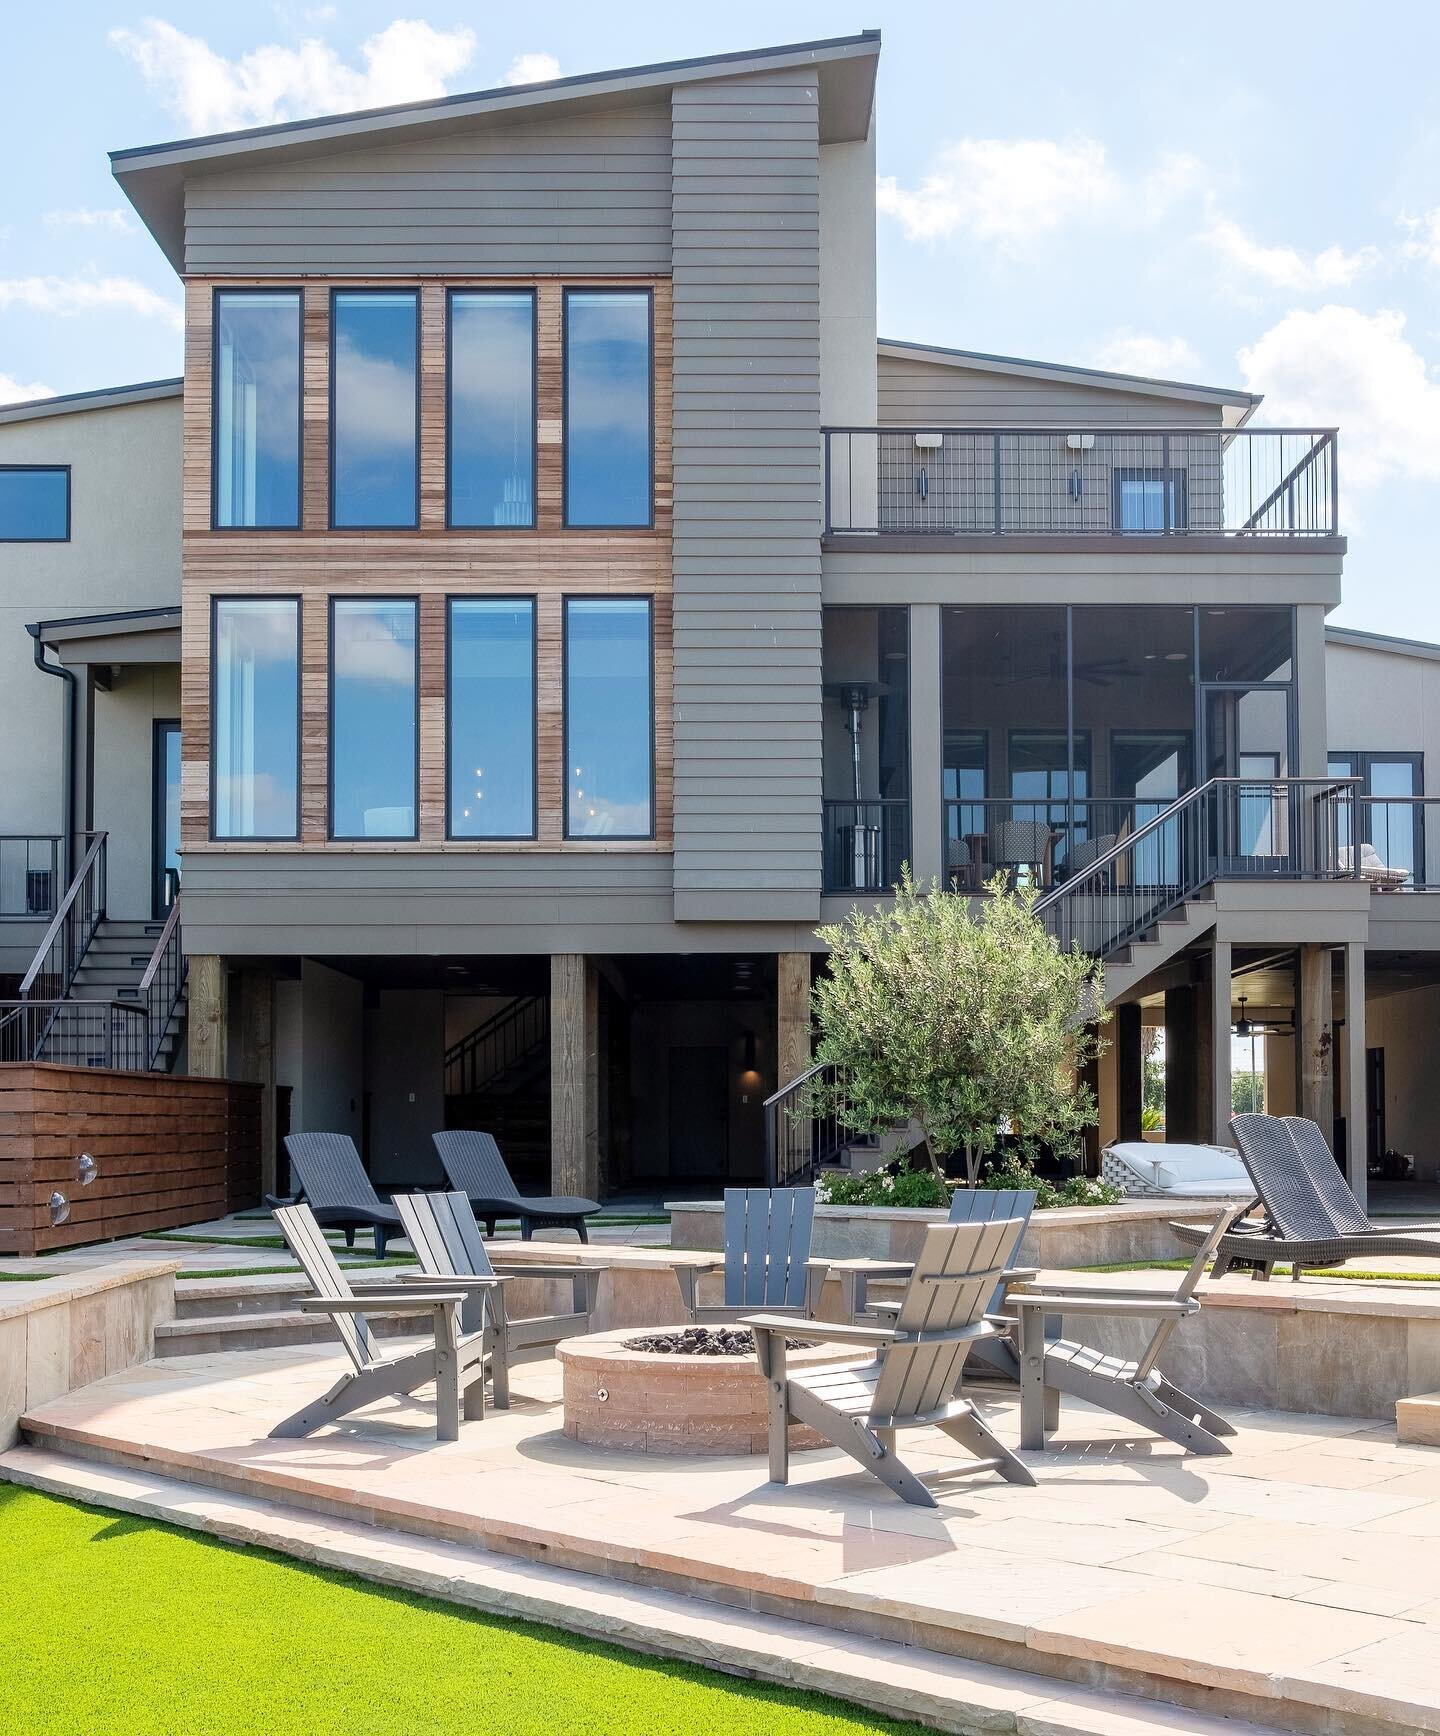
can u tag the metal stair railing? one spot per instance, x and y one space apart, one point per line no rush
163 983
799 1140
62 948
75 1033
495 1046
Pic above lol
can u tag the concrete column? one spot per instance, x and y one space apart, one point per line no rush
1219 1082
1316 1039
257 1060
1129 1070
208 1018
1181 1108
574 1154
1357 1121
1310 725
793 1016
927 844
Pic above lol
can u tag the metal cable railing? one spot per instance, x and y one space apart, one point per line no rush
163 982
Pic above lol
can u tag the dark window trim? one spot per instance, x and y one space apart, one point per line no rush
533 601
266 597
160 727
335 293
215 295
480 290
601 289
49 470
1177 506
566 600
413 835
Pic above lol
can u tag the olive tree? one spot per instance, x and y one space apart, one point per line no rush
968 1019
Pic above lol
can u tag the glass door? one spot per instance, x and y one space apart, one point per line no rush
1149 769
1247 736
165 817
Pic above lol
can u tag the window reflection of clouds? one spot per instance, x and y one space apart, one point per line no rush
608 717
374 433
492 408
607 408
254 717
372 718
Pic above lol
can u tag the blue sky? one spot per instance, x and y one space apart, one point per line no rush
1246 195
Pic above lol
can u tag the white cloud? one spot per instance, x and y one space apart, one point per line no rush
1337 367
13 391
111 218
1285 267
1422 240
532 69
408 61
1132 352
66 296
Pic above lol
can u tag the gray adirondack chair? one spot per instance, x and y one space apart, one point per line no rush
473 1164
767 1255
1135 1390
442 1230
457 1362
915 1376
333 1183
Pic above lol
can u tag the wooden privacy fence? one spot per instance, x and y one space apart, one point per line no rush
167 1151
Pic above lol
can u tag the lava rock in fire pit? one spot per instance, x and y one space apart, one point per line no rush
701 1341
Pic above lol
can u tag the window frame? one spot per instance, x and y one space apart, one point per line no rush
336 291
610 289
479 289
297 290
216 599
47 469
1172 478
568 597
532 598
413 835
160 729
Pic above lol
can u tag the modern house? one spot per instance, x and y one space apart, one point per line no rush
544 601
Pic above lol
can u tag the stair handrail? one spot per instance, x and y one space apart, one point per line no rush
792 1150
493 1030
164 981
56 936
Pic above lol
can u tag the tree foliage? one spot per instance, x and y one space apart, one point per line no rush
973 1022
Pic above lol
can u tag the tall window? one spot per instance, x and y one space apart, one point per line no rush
608 718
492 408
375 410
256 412
255 717
34 503
373 723
607 408
491 729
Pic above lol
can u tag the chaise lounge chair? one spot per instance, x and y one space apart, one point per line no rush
441 1228
458 1361
332 1181
473 1164
767 1255
1311 1216
914 1379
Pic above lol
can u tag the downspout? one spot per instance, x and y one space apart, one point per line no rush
67 826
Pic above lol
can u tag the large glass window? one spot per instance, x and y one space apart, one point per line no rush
607 407
608 718
255 717
491 730
34 503
373 724
492 408
375 411
256 411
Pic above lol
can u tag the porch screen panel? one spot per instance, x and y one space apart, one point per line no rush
609 730
254 717
257 409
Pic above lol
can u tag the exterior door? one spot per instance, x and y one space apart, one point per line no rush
700 1111
1247 736
165 817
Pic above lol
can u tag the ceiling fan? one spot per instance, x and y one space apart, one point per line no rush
1245 1026
1102 672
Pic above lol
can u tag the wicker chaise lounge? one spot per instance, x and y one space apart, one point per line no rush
1311 1216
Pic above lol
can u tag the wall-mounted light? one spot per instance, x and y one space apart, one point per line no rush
85 1169
59 1209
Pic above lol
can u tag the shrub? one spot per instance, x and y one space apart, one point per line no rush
881 1187
1014 1173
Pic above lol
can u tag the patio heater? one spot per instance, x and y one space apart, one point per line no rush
858 843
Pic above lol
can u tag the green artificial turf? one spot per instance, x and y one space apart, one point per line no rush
295 1272
1281 1271
115 1626
24 1277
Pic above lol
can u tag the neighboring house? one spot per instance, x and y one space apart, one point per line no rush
580 605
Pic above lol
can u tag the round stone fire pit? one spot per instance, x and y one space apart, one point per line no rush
700 1402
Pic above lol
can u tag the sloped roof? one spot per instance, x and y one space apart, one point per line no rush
1361 640
102 398
153 176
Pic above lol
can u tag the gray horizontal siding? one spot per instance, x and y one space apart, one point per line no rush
914 393
745 266
586 194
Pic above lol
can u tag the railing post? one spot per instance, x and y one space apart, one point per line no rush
1334 442
998 493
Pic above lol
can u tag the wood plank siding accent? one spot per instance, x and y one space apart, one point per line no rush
745 270
169 1150
430 563
587 192
915 393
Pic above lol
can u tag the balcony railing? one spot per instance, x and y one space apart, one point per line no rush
1141 482
865 844
29 876
1399 842
76 1033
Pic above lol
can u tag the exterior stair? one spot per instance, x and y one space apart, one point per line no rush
111 969
1178 928
215 1315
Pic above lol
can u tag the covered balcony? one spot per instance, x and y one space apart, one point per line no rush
1141 482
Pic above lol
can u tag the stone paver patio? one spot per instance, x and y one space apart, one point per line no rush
1296 1583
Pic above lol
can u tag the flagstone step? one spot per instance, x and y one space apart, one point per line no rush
210 1335
1417 1420
947 1692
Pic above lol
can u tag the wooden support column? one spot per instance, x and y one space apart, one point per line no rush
1357 1117
793 1019
1316 1040
1129 1070
1218 1084
257 1060
208 1018
574 1088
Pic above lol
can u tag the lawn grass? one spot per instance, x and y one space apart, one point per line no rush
1281 1271
24 1277
117 1626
